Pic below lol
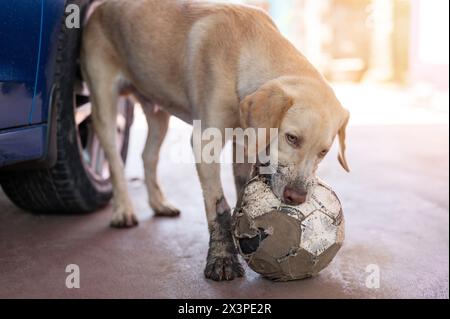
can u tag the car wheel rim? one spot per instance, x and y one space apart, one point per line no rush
93 155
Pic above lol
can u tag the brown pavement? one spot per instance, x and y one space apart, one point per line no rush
396 203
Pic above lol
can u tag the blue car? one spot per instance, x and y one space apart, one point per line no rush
50 158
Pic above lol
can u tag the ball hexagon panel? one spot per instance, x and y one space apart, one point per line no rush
326 200
318 233
259 199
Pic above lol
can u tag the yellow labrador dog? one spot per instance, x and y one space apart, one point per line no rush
226 65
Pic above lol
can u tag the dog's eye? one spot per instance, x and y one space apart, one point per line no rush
323 153
293 140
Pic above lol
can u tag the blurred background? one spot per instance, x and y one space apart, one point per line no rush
387 59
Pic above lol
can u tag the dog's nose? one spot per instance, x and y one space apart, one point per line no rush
293 196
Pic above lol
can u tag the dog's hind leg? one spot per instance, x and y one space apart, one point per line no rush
102 74
158 124
104 114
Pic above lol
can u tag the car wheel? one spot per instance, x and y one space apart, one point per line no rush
79 182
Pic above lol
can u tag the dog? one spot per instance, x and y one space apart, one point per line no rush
226 65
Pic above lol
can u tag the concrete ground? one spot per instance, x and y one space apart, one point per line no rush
396 204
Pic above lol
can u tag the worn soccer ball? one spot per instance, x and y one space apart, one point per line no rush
283 242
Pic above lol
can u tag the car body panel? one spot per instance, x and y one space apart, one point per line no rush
32 143
29 33
19 47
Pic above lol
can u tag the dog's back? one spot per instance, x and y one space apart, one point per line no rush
187 37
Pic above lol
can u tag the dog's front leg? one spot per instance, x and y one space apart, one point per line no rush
222 261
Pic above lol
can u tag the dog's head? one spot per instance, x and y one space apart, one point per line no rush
308 117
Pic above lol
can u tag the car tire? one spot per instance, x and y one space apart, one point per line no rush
72 185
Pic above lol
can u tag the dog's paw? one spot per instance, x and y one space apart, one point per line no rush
224 268
165 210
124 219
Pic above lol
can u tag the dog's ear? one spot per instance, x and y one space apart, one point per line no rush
264 109
342 142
